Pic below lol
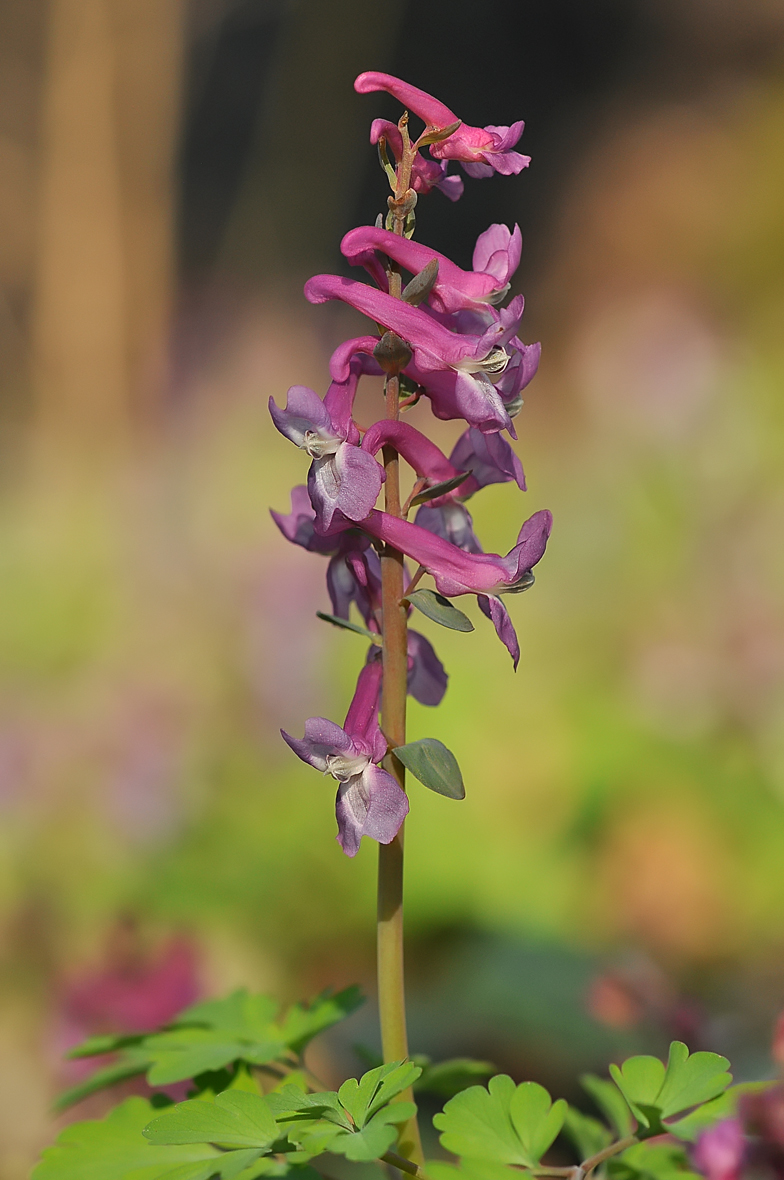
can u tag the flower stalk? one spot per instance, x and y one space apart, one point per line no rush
389 929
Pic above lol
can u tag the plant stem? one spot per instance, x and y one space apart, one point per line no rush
391 983
404 1165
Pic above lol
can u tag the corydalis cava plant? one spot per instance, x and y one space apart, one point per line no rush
253 1109
450 336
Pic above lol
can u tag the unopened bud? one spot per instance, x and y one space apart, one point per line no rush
392 353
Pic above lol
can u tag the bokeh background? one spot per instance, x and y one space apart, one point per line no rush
170 173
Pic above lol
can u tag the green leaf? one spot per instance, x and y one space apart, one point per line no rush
434 606
234 1118
376 1137
187 1052
118 1071
114 1148
347 625
448 1078
588 1135
724 1107
305 1021
213 1035
439 489
470 1170
610 1103
96 1046
536 1119
244 1016
506 1124
430 761
655 1093
651 1161
691 1079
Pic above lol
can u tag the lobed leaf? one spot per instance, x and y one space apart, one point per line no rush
654 1092
504 1123
651 1161
127 1067
213 1035
536 1118
114 1148
234 1118
470 1169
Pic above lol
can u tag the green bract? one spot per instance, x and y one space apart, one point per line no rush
440 610
503 1124
430 761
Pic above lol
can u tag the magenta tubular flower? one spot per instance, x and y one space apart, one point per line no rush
342 477
489 458
419 452
719 1151
425 174
481 150
454 289
456 572
369 801
457 371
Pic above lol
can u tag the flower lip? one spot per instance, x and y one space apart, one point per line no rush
345 766
317 445
493 364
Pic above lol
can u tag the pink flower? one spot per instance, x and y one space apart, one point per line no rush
481 150
457 371
496 258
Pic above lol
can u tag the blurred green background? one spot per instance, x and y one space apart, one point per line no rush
170 172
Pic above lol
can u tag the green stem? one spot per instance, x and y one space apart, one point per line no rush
391 983
404 1165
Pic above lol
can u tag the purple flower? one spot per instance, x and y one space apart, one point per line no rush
299 525
489 458
458 371
354 575
450 521
427 678
481 150
719 1151
425 174
342 477
369 801
454 289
